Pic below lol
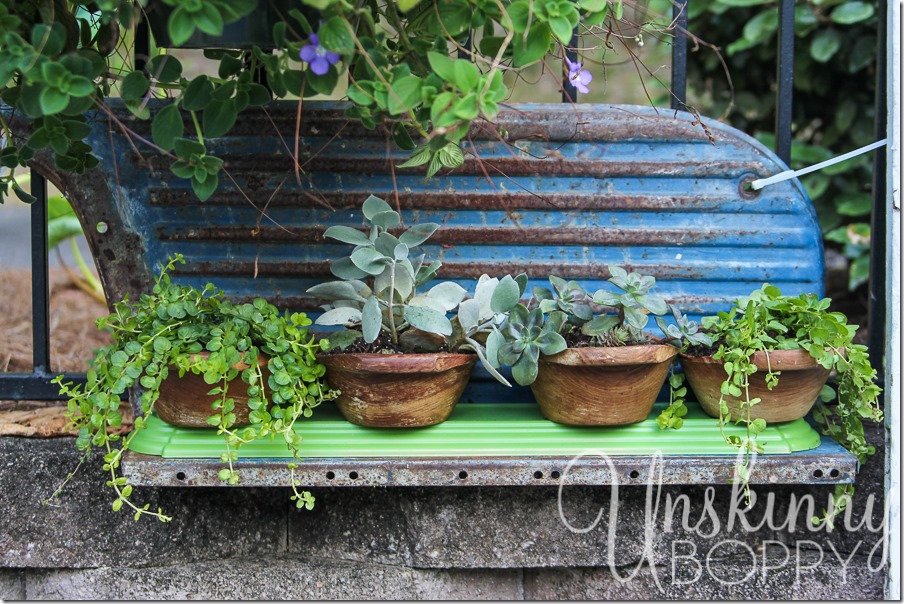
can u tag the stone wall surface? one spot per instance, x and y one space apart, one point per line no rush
427 542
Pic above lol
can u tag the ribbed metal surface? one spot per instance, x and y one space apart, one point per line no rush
549 189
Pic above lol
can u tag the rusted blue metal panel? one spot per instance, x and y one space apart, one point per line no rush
548 189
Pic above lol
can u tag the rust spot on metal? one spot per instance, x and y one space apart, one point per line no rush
513 199
451 269
449 237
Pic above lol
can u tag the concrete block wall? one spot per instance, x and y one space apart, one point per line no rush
424 543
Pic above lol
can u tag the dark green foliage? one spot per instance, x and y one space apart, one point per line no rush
833 104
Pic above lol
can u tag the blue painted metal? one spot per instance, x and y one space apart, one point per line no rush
547 189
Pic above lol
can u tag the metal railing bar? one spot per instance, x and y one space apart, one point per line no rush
569 92
878 274
785 79
34 386
679 55
40 282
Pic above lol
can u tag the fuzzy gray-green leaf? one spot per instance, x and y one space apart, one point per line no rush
371 319
506 295
348 235
427 319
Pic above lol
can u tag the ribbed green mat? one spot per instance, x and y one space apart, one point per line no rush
479 430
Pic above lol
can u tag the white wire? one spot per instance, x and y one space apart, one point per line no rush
758 184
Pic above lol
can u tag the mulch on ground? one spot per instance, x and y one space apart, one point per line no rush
73 339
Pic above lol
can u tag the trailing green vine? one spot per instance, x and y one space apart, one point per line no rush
166 332
767 321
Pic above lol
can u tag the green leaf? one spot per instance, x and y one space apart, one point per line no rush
344 268
561 29
469 315
206 188
761 27
852 12
447 294
180 26
371 319
533 47
386 219
197 94
334 35
744 2
374 205
825 45
164 68
551 343
525 370
134 86
49 40
857 204
341 316
369 260
348 235
428 319
466 75
407 5
167 127
61 228
53 101
209 20
506 295
404 94
418 234
442 66
219 118
859 272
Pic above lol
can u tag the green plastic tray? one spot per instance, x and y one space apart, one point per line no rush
479 430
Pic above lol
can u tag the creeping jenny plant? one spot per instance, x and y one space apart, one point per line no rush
569 311
378 293
767 321
164 332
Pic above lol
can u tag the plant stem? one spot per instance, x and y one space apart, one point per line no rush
194 119
392 325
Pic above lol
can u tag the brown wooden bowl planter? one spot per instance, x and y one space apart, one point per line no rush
184 400
605 386
398 390
798 386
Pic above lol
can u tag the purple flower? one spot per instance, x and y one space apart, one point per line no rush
579 77
317 56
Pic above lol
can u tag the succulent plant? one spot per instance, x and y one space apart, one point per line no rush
378 293
539 328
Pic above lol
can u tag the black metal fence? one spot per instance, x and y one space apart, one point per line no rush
36 385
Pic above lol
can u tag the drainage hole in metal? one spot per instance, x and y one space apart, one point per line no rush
817 474
462 475
554 475
634 474
353 475
180 475
834 473
330 475
538 474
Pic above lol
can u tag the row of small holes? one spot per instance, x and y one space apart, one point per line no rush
538 475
